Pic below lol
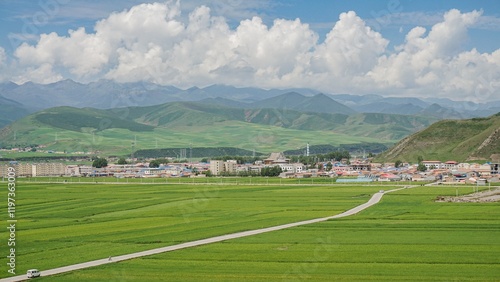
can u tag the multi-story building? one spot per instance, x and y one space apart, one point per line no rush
20 169
4 170
216 167
39 169
230 166
48 169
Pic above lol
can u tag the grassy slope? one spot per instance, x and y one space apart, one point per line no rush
407 237
184 124
10 113
450 140
249 136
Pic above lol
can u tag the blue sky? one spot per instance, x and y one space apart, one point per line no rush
474 27
414 12
320 14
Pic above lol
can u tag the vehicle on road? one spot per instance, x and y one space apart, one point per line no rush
32 273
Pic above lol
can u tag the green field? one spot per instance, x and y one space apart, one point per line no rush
66 223
405 237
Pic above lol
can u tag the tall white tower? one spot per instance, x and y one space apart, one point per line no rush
307 150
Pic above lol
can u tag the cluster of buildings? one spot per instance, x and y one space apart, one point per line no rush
231 167
354 171
450 172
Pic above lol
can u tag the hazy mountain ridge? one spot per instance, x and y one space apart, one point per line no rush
106 94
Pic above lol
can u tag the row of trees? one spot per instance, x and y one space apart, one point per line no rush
332 156
238 159
309 161
271 171
266 171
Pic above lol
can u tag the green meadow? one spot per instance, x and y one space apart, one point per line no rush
66 223
120 141
407 236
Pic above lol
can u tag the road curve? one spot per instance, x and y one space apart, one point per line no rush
373 200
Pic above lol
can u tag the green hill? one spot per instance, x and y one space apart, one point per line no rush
319 103
10 111
194 124
459 140
74 119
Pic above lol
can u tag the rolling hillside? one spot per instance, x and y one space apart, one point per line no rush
10 111
459 140
185 124
319 103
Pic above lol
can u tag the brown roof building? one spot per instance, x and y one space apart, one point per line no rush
276 158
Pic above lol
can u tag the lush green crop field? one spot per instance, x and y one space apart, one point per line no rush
407 236
209 180
66 223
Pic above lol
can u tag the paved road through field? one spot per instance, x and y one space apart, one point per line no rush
373 200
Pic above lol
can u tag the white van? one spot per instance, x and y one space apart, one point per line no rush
32 273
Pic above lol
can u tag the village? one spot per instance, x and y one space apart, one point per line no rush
348 171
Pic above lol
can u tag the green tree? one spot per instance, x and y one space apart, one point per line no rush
420 159
271 171
421 167
100 162
122 161
398 163
155 163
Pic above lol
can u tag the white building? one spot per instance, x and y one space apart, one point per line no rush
295 168
216 167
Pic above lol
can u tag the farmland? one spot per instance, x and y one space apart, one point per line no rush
406 236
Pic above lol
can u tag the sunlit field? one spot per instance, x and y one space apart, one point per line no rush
407 236
66 223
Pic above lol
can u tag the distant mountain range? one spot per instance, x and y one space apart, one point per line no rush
439 108
67 112
458 140
106 94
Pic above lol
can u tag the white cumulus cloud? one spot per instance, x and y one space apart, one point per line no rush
433 64
154 42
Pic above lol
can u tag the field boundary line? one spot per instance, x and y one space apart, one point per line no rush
373 200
